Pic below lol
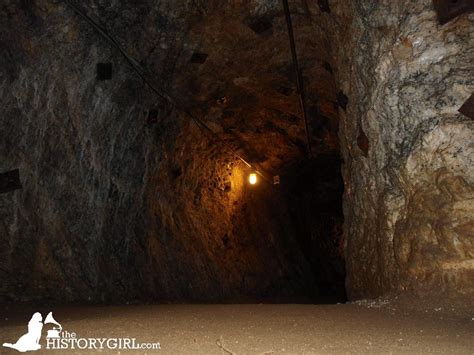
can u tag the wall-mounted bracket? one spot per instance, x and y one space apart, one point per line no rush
450 9
198 58
104 71
10 181
342 100
467 108
261 26
324 6
363 142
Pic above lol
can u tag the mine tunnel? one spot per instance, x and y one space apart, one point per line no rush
289 168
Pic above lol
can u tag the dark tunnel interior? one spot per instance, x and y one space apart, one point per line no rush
314 194
236 176
130 135
141 190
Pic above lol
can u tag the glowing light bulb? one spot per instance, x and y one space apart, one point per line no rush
253 178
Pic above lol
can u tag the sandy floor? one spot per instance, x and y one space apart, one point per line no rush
365 327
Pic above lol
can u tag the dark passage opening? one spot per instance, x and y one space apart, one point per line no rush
314 193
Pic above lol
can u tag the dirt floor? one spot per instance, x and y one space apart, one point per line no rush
363 327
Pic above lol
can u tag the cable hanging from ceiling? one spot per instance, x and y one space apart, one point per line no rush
299 78
203 127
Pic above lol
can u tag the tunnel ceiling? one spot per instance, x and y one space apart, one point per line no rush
229 63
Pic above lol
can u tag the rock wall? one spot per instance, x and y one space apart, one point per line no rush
123 198
408 153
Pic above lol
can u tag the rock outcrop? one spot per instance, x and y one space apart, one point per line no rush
409 189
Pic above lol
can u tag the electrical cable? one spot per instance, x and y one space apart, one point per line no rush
299 79
205 129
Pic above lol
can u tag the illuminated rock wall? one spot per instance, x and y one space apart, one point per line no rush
119 204
408 201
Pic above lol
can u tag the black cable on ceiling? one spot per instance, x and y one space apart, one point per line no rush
205 129
299 79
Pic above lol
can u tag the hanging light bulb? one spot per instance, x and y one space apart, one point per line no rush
253 178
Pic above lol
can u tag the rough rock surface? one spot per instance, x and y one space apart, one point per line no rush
123 198
408 202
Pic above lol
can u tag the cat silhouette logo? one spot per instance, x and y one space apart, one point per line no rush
30 341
